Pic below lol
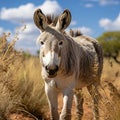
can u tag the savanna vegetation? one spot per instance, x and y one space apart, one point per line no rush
110 42
21 86
22 89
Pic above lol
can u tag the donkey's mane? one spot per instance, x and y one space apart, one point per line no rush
52 19
75 33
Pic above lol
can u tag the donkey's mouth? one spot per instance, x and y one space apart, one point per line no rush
52 76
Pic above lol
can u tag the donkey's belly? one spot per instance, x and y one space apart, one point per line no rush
86 82
65 83
81 84
70 83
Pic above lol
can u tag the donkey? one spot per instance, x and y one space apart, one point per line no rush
69 63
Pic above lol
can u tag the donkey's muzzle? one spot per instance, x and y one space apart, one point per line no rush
51 70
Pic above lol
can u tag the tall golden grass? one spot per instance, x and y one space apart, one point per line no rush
111 90
21 86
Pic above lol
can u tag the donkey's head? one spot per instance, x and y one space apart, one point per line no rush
52 40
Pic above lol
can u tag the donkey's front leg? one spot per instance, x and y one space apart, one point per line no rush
67 105
52 95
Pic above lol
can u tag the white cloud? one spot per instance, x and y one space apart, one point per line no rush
27 35
110 25
86 30
109 2
102 2
24 14
105 22
88 5
51 7
73 23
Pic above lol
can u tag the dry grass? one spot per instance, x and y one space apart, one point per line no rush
111 90
21 87
109 105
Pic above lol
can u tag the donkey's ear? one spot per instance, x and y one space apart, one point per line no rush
40 19
64 20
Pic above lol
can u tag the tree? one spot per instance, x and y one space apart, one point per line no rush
110 42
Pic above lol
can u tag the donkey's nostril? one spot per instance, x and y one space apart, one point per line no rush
46 67
56 68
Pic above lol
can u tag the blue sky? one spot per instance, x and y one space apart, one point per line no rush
92 17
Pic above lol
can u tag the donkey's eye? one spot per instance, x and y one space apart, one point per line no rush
61 42
41 42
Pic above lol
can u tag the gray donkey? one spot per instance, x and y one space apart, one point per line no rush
69 63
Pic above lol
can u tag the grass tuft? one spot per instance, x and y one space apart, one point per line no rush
21 86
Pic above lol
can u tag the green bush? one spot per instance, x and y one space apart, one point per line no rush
110 42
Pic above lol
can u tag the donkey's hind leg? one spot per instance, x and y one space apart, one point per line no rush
93 90
79 103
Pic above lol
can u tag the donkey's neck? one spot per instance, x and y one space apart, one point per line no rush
71 54
76 59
